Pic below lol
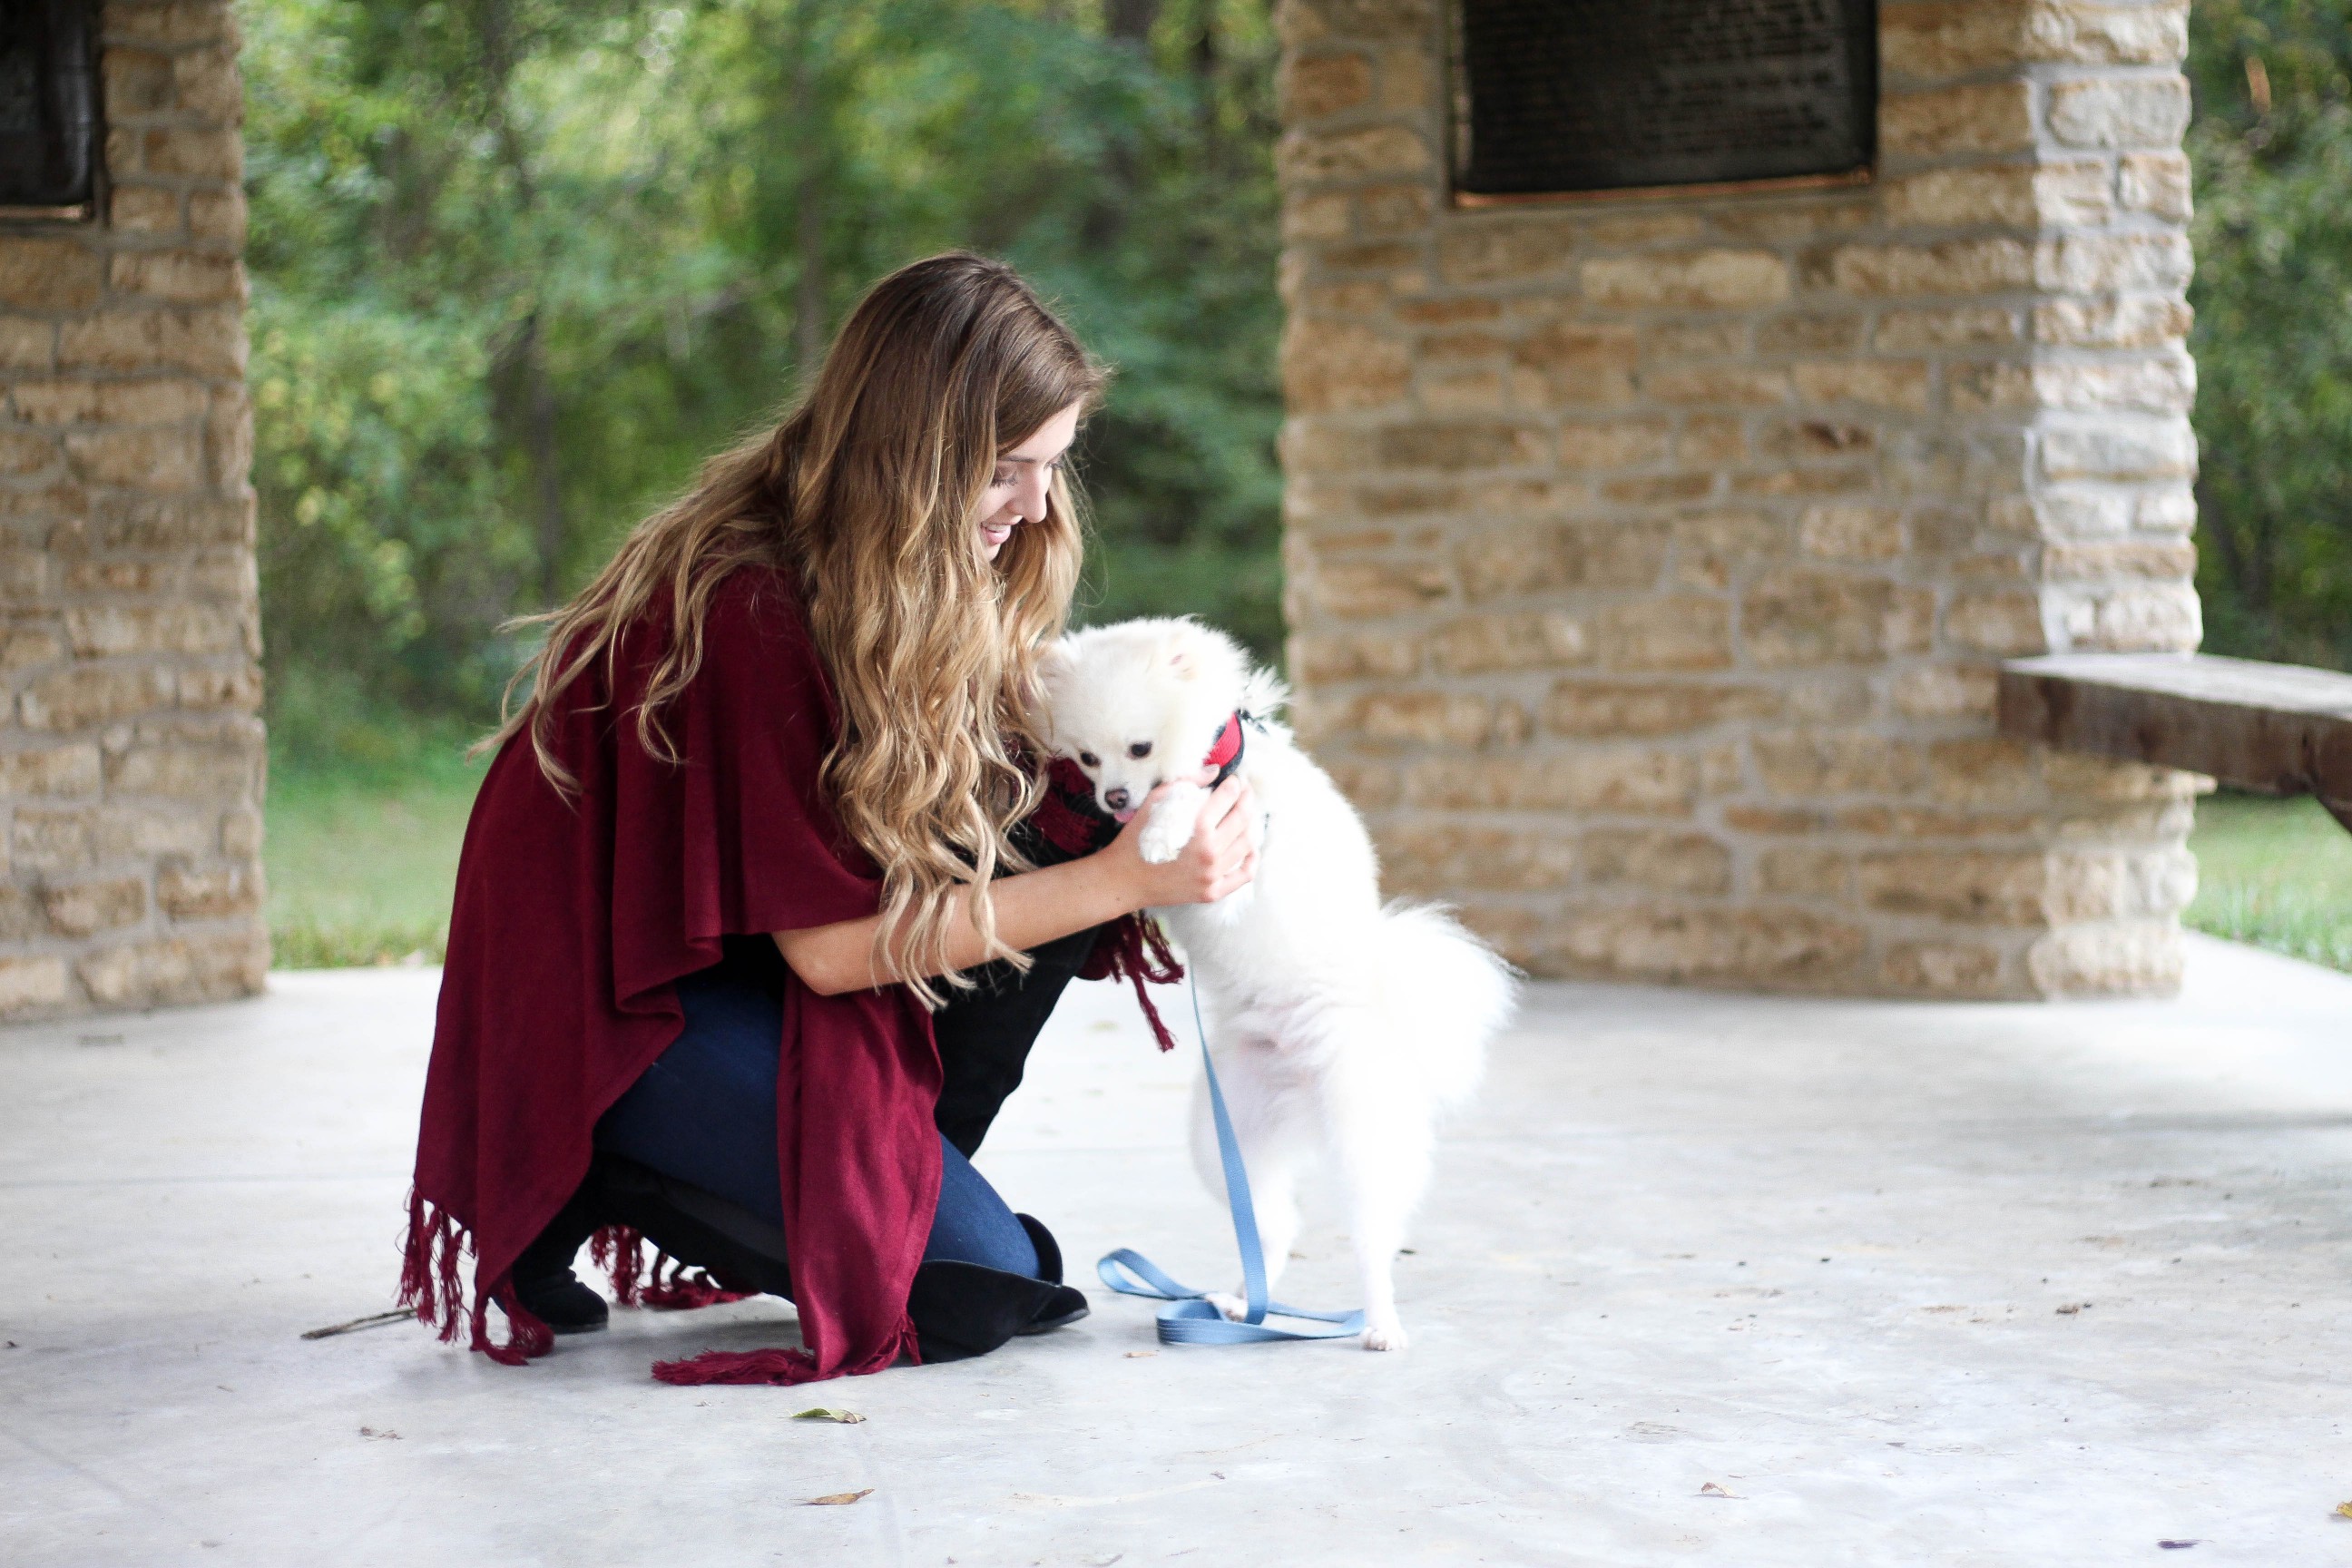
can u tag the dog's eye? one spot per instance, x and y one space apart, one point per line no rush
1140 749
1088 759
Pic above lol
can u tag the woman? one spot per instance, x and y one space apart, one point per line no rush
734 933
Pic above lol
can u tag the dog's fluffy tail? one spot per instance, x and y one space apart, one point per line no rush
1448 993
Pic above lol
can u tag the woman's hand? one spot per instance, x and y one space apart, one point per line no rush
1217 860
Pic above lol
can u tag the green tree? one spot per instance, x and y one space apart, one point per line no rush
519 264
2271 149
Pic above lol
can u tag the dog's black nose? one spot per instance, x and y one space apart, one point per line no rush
1115 799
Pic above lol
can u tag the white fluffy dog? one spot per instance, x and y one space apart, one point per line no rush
1337 1025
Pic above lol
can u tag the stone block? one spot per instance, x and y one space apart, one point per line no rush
1659 861
79 698
1703 280
85 909
25 453
2156 183
1323 216
31 985
71 770
1331 365
1731 386
1851 530
1817 764
1325 656
217 217
2128 322
1394 209
144 210
1792 617
202 153
2118 958
1946 692
136 82
213 893
41 273
1356 589
1957 969
1503 248
2006 622
1455 445
1542 639
2120 449
1613 443
153 401
1967 886
2120 112
1435 858
1899 385
1808 334
1310 87
2096 263
28 344
1308 157
1791 872
2141 618
44 841
178 277
1503 561
1769 946
1409 718
202 339
137 521
1957 326
1984 266
1617 709
1982 117
207 84
109 630
1674 632
185 770
151 459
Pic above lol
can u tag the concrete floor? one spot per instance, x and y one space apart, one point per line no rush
1817 1255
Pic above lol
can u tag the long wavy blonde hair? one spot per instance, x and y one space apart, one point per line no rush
869 492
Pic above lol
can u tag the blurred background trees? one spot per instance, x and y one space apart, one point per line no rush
519 263
2272 147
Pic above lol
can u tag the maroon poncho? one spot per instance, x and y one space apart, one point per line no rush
573 920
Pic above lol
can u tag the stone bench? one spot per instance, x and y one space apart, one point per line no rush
2275 729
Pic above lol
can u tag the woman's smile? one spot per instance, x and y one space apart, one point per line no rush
1021 488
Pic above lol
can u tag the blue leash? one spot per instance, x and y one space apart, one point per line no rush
1188 1318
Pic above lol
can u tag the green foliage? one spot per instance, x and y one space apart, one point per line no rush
2271 149
519 265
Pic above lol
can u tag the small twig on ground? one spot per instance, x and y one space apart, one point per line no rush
356 1324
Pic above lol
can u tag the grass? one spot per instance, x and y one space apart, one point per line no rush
2274 873
363 857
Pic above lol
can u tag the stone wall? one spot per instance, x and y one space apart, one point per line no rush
130 755
1650 560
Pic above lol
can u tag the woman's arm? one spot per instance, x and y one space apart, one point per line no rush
1054 900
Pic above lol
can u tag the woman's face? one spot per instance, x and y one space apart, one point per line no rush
1017 493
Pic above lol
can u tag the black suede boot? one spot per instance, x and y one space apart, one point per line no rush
544 1283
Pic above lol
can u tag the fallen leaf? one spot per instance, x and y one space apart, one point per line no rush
2176 1545
387 1432
1141 1355
1711 1489
2068 1308
826 1413
833 1499
2344 1510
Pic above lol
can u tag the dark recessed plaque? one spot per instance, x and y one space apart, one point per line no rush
1568 97
48 106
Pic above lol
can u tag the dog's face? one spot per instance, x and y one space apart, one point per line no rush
1140 703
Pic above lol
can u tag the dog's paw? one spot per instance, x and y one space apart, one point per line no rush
1172 821
1387 1336
1233 1307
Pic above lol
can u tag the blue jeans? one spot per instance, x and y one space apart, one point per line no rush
705 1114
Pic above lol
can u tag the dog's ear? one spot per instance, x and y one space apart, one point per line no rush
1182 657
1057 663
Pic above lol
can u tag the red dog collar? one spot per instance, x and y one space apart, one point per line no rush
1225 755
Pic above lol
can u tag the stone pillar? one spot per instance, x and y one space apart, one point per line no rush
1650 560
131 752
